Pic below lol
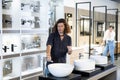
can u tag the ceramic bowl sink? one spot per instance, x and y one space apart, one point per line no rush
99 59
60 69
84 64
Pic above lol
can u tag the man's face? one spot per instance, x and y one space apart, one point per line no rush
110 29
60 27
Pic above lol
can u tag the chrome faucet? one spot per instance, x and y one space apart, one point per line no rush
80 55
44 66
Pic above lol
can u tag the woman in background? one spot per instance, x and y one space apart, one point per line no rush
109 41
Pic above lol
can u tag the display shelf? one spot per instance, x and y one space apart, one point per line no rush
11 77
5 56
8 31
32 72
25 53
32 52
24 30
34 31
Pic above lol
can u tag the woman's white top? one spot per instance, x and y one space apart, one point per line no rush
109 36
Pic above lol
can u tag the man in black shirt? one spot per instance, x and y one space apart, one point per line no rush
59 43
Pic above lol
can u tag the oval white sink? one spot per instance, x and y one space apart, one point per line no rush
84 64
99 59
60 69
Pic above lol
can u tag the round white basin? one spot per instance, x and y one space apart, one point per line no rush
99 59
84 64
60 69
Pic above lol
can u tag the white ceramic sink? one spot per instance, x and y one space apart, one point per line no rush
60 69
99 59
84 64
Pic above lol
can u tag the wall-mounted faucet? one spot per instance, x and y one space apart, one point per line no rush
7 68
23 4
8 21
33 6
5 3
23 21
80 55
12 47
5 48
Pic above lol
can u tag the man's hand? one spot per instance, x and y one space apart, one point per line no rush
48 58
69 49
103 43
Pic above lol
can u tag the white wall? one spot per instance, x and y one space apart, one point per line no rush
60 10
108 3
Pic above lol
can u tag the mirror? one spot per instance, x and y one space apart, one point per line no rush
100 29
84 26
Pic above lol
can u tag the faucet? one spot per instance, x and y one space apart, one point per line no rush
5 48
80 55
44 66
12 47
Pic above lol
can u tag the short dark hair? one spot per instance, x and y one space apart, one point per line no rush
111 26
67 27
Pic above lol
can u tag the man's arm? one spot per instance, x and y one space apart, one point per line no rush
104 38
49 46
69 46
48 51
69 49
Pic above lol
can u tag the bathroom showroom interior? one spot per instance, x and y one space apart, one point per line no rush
25 26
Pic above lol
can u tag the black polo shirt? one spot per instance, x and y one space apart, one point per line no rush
59 47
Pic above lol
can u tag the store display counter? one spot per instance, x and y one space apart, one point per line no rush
70 77
108 74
